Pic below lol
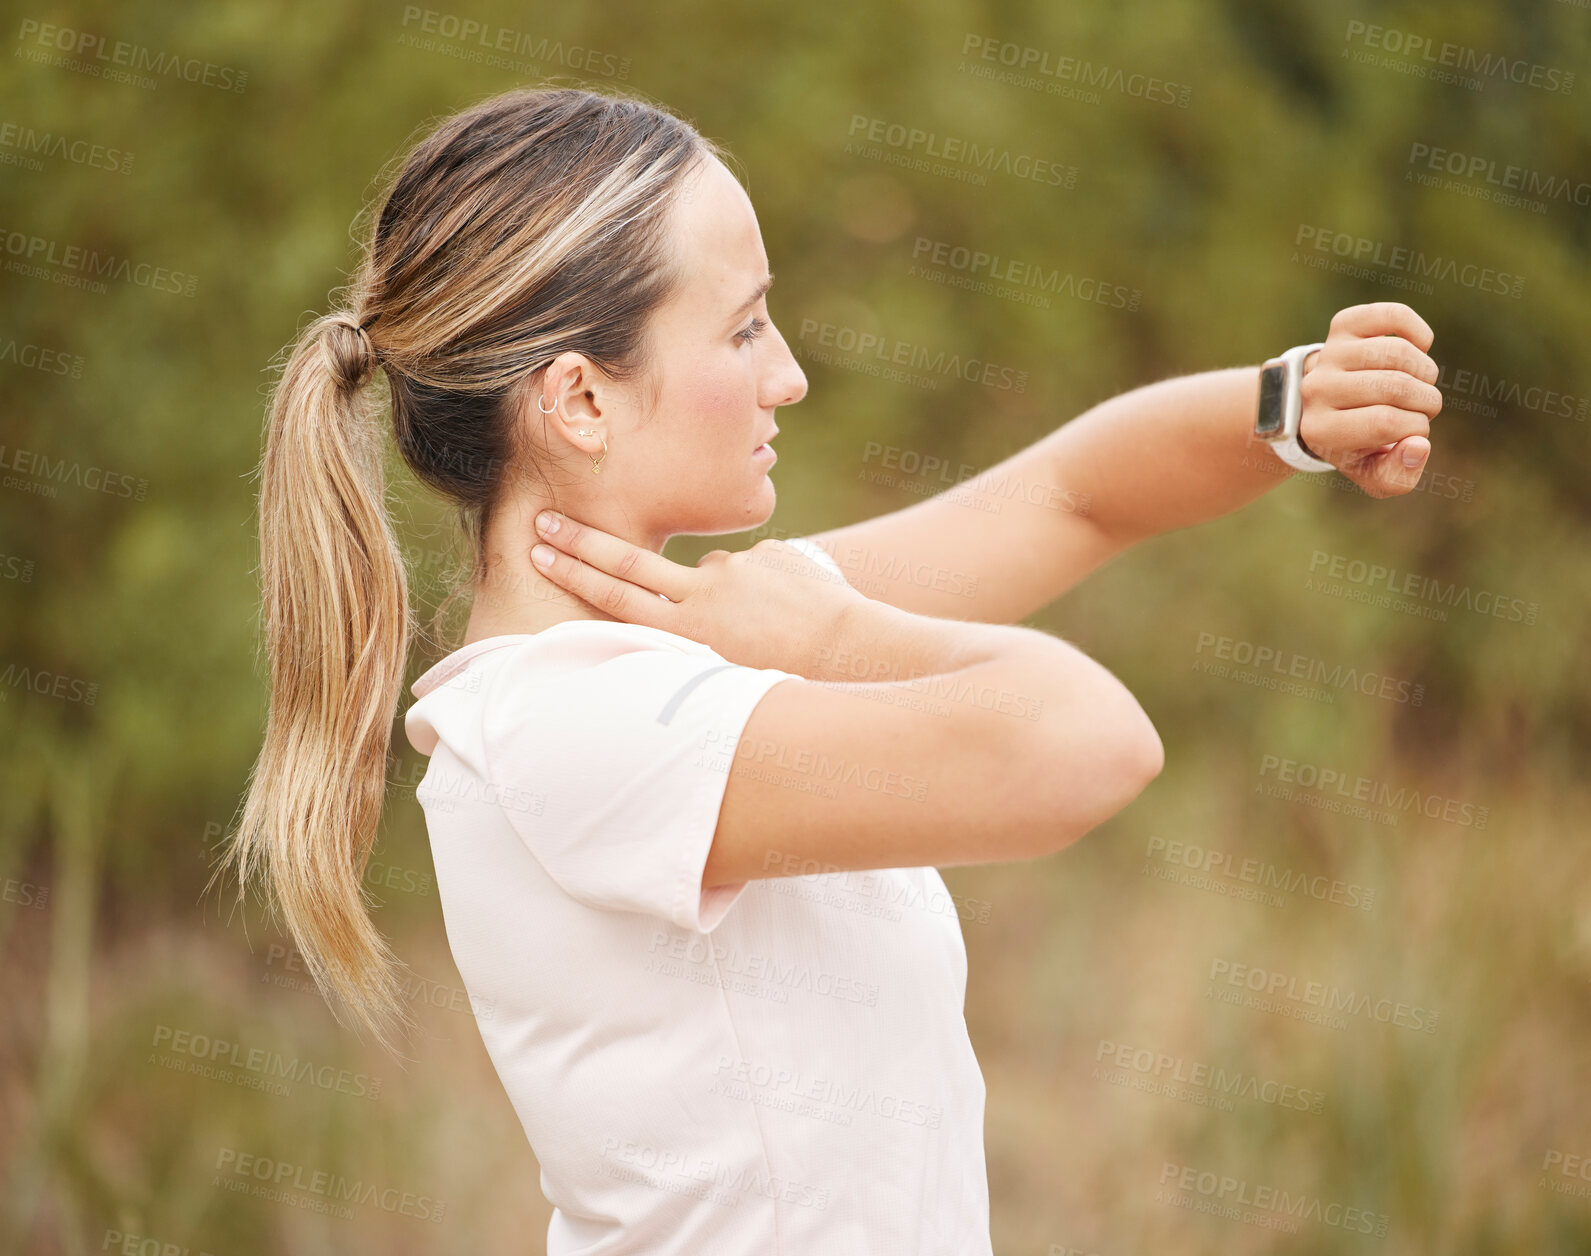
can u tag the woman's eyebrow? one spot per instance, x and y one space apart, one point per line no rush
756 296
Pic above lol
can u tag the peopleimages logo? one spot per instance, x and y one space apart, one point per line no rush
272 1179
877 353
1002 273
38 473
1373 577
1290 665
678 953
1559 1171
124 1244
1457 58
48 684
776 1086
1030 66
73 265
991 486
715 1181
120 61
1362 251
440 790
1170 1071
1485 172
27 144
1230 1195
259 1067
1272 987
1477 391
39 358
1370 792
495 46
983 159
1223 865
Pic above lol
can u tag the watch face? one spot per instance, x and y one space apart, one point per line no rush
1273 390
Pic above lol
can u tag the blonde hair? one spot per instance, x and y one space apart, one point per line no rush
533 224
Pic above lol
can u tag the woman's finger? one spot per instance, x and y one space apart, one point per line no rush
1388 472
618 558
1383 318
1347 390
612 596
1336 435
1380 353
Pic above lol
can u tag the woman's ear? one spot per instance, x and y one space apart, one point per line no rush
565 404
571 389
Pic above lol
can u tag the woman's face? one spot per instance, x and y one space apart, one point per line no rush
696 462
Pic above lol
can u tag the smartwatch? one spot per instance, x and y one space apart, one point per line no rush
1281 407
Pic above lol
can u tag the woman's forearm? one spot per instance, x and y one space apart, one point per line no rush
1016 536
1019 534
1169 454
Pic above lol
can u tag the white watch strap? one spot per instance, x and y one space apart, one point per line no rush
1287 447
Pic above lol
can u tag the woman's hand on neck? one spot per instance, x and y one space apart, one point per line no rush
511 596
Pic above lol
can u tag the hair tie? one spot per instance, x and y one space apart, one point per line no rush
355 375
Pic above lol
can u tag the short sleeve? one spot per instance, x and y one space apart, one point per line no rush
628 759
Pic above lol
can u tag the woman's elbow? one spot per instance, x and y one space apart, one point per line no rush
1148 752
1122 759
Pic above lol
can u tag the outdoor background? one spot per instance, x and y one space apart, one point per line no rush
1189 157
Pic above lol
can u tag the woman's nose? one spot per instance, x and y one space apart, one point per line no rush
789 383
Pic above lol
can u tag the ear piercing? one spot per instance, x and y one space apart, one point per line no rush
596 463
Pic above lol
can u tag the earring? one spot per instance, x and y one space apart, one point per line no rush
596 463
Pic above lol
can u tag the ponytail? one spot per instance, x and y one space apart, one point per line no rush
336 627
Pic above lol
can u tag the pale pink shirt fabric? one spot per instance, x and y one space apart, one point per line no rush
778 1066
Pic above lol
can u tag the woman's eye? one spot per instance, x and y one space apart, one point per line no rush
754 329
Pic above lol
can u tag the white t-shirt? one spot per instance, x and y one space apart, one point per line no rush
777 1066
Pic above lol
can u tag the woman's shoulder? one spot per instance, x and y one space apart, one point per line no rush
558 647
577 665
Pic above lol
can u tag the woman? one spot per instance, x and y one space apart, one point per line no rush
686 820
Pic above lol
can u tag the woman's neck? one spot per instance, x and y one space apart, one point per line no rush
521 601
512 596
